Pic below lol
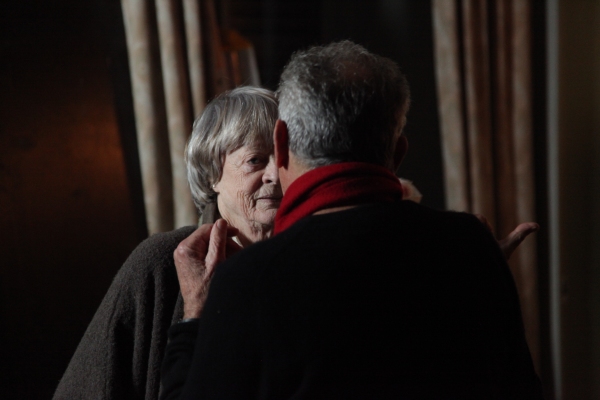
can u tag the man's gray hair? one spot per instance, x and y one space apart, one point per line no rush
342 103
241 117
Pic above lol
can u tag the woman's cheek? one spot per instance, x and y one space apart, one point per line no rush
247 203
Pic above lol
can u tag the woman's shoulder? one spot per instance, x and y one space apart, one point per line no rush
153 257
163 241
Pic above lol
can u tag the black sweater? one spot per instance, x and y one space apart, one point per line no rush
380 301
120 354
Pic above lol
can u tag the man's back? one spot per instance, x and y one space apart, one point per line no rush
391 300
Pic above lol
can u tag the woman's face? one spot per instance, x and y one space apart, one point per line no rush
249 193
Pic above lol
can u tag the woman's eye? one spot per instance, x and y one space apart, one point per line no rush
255 160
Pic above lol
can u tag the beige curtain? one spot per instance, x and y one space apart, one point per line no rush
178 58
483 71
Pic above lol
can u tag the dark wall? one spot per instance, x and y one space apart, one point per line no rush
277 28
67 218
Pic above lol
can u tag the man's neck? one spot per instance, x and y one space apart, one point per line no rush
333 209
296 169
291 172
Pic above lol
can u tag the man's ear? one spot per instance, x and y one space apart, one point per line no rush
400 151
281 144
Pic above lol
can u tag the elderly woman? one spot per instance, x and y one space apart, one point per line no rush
232 176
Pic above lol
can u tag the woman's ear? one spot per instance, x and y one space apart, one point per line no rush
281 144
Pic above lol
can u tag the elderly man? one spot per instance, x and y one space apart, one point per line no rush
359 294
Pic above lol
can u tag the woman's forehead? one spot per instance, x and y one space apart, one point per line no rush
251 148
259 142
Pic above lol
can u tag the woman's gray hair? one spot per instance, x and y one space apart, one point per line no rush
244 116
342 103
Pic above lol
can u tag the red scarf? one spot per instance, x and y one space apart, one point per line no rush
337 185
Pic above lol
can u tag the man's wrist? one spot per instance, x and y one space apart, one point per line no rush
191 312
186 320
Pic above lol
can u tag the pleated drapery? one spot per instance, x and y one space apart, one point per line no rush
483 72
178 60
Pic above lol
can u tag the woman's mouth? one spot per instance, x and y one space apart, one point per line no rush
273 198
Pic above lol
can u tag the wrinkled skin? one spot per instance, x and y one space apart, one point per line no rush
249 193
195 260
510 243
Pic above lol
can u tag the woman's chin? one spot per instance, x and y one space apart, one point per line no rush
265 217
268 203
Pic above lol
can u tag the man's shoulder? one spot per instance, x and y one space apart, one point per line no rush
442 218
375 220
366 227
381 229
260 252
247 267
396 216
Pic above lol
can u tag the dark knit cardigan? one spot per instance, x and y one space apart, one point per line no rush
120 354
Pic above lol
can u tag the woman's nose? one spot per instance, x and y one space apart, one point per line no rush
271 174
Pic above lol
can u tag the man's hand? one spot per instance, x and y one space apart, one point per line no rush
195 260
510 243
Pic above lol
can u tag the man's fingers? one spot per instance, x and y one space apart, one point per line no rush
195 259
232 247
231 231
484 221
195 246
218 244
510 243
514 239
